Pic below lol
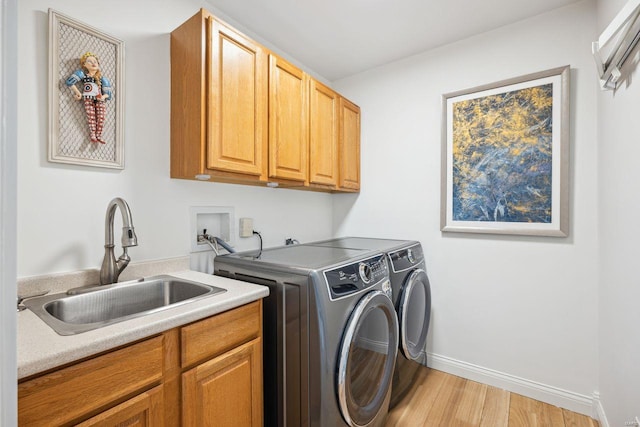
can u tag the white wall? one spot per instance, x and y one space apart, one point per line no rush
618 133
61 209
522 306
8 154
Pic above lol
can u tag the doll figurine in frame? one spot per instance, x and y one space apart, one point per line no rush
96 90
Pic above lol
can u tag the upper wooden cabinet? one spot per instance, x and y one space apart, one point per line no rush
241 114
218 103
237 103
323 134
288 117
349 146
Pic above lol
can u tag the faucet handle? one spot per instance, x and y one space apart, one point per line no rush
122 262
204 237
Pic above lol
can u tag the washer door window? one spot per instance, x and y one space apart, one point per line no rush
414 312
367 358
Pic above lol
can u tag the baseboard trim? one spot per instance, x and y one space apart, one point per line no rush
599 410
575 402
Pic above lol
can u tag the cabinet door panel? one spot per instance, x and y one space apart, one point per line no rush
288 134
144 410
231 328
70 393
349 145
225 391
237 102
323 135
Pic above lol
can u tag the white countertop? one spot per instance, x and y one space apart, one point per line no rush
40 348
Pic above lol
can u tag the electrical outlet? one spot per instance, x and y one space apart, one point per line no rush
246 227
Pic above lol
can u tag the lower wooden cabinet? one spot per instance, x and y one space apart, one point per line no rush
208 373
146 409
225 391
82 390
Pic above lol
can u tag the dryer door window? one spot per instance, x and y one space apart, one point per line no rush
367 359
414 312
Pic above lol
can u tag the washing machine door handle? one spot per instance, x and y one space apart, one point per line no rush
355 412
412 350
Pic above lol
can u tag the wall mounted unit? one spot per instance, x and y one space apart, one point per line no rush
219 221
616 43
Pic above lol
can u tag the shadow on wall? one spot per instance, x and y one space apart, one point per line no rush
629 67
342 205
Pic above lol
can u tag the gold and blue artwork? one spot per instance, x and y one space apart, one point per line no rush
502 157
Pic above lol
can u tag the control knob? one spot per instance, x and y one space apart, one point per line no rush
365 272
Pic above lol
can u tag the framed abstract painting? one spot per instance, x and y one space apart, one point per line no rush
505 157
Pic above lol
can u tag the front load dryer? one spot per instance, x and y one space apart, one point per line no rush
330 333
411 298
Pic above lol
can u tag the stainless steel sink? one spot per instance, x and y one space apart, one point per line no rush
104 305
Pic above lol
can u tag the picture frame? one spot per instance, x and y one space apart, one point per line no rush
81 133
505 156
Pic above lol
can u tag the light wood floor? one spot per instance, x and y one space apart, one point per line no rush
441 400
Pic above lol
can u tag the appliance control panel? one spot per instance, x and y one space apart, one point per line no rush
348 279
406 258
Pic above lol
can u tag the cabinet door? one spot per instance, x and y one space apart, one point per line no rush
72 393
288 131
349 146
323 134
225 391
237 99
143 410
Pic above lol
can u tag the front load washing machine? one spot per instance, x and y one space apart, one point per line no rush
411 298
330 333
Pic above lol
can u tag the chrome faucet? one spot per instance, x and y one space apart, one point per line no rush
111 268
